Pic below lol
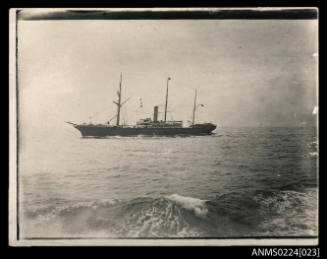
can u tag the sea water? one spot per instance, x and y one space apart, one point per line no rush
238 182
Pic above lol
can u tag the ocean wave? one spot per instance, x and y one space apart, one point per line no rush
301 185
229 215
288 213
141 217
53 211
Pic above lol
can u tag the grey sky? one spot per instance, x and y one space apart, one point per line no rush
247 72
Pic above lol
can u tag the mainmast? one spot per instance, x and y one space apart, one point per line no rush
119 101
166 99
194 107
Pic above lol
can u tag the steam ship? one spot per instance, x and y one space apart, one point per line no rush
148 126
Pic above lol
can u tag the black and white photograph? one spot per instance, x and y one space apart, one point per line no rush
163 129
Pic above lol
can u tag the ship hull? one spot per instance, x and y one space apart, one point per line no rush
103 131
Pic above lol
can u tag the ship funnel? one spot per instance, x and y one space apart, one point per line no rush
155 114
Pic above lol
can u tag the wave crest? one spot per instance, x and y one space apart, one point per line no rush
196 205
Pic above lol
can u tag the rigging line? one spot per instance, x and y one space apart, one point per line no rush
138 111
95 114
170 115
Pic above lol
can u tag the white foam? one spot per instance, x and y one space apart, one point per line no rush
194 204
314 154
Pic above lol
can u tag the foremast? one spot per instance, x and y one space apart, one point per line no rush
119 100
119 103
194 108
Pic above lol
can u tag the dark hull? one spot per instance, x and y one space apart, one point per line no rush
103 131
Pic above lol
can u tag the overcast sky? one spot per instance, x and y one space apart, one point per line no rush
246 72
